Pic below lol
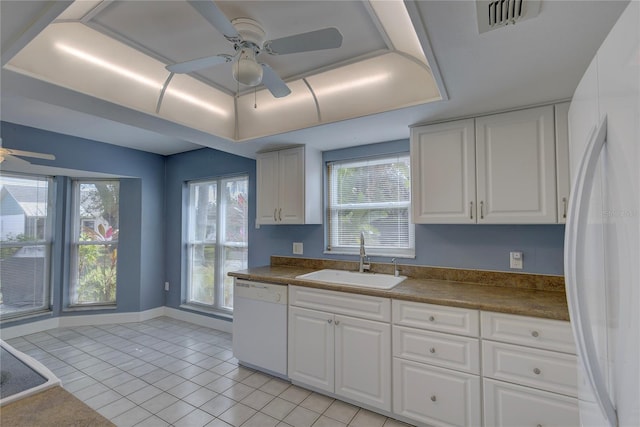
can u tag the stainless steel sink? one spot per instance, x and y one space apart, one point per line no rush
352 278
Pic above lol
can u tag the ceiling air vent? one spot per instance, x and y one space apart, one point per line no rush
493 14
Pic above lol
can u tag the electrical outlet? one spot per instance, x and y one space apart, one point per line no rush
515 260
297 248
166 286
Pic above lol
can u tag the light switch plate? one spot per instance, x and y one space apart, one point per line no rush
515 260
297 248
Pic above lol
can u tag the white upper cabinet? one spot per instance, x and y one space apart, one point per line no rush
498 169
443 173
289 187
516 167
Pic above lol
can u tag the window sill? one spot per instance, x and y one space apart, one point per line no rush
89 307
225 315
25 315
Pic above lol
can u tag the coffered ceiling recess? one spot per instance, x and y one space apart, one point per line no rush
118 51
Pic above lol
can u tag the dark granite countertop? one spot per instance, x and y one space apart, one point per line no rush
528 295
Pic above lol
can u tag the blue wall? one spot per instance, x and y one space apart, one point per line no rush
152 201
484 247
195 165
141 255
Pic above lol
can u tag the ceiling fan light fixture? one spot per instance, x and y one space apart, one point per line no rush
246 69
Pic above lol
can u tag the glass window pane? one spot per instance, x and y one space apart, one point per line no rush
203 211
97 272
202 273
24 244
236 211
372 196
235 258
95 250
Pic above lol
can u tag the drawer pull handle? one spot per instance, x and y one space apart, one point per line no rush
432 350
433 398
337 322
536 371
432 319
535 334
538 425
329 321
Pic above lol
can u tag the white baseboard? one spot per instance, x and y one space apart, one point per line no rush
105 319
29 328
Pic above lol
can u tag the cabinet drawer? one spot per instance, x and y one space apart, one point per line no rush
363 306
435 396
547 370
440 318
530 331
508 405
448 351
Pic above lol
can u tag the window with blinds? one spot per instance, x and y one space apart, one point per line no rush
373 196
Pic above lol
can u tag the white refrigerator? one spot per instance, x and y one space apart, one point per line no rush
602 234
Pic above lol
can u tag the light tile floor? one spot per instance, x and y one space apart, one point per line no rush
165 372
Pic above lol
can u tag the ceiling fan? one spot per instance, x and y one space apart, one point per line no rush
248 39
9 154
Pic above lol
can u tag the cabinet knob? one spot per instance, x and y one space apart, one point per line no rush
536 371
432 319
535 334
433 398
432 350
329 321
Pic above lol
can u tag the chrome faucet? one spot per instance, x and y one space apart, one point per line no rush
364 266
396 272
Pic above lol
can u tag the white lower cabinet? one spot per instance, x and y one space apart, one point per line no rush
508 405
435 396
343 355
529 372
435 372
433 365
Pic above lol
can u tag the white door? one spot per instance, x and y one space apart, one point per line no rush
291 209
363 361
268 178
443 173
311 348
516 167
563 184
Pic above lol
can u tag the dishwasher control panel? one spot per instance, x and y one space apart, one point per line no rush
259 291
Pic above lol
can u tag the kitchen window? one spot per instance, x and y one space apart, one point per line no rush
94 249
25 244
372 196
217 240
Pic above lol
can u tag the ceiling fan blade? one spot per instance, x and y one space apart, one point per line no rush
327 38
274 83
210 11
198 64
30 154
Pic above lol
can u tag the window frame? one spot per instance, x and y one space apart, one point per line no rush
220 244
331 219
76 224
47 241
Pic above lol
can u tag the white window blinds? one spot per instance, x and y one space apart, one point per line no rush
371 196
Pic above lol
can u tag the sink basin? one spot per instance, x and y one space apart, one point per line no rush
352 278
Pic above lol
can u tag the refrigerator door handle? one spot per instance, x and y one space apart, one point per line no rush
575 230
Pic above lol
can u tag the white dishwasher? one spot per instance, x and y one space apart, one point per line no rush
260 326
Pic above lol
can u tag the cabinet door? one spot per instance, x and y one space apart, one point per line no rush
267 171
435 396
363 361
516 167
291 189
563 184
507 405
311 348
443 175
